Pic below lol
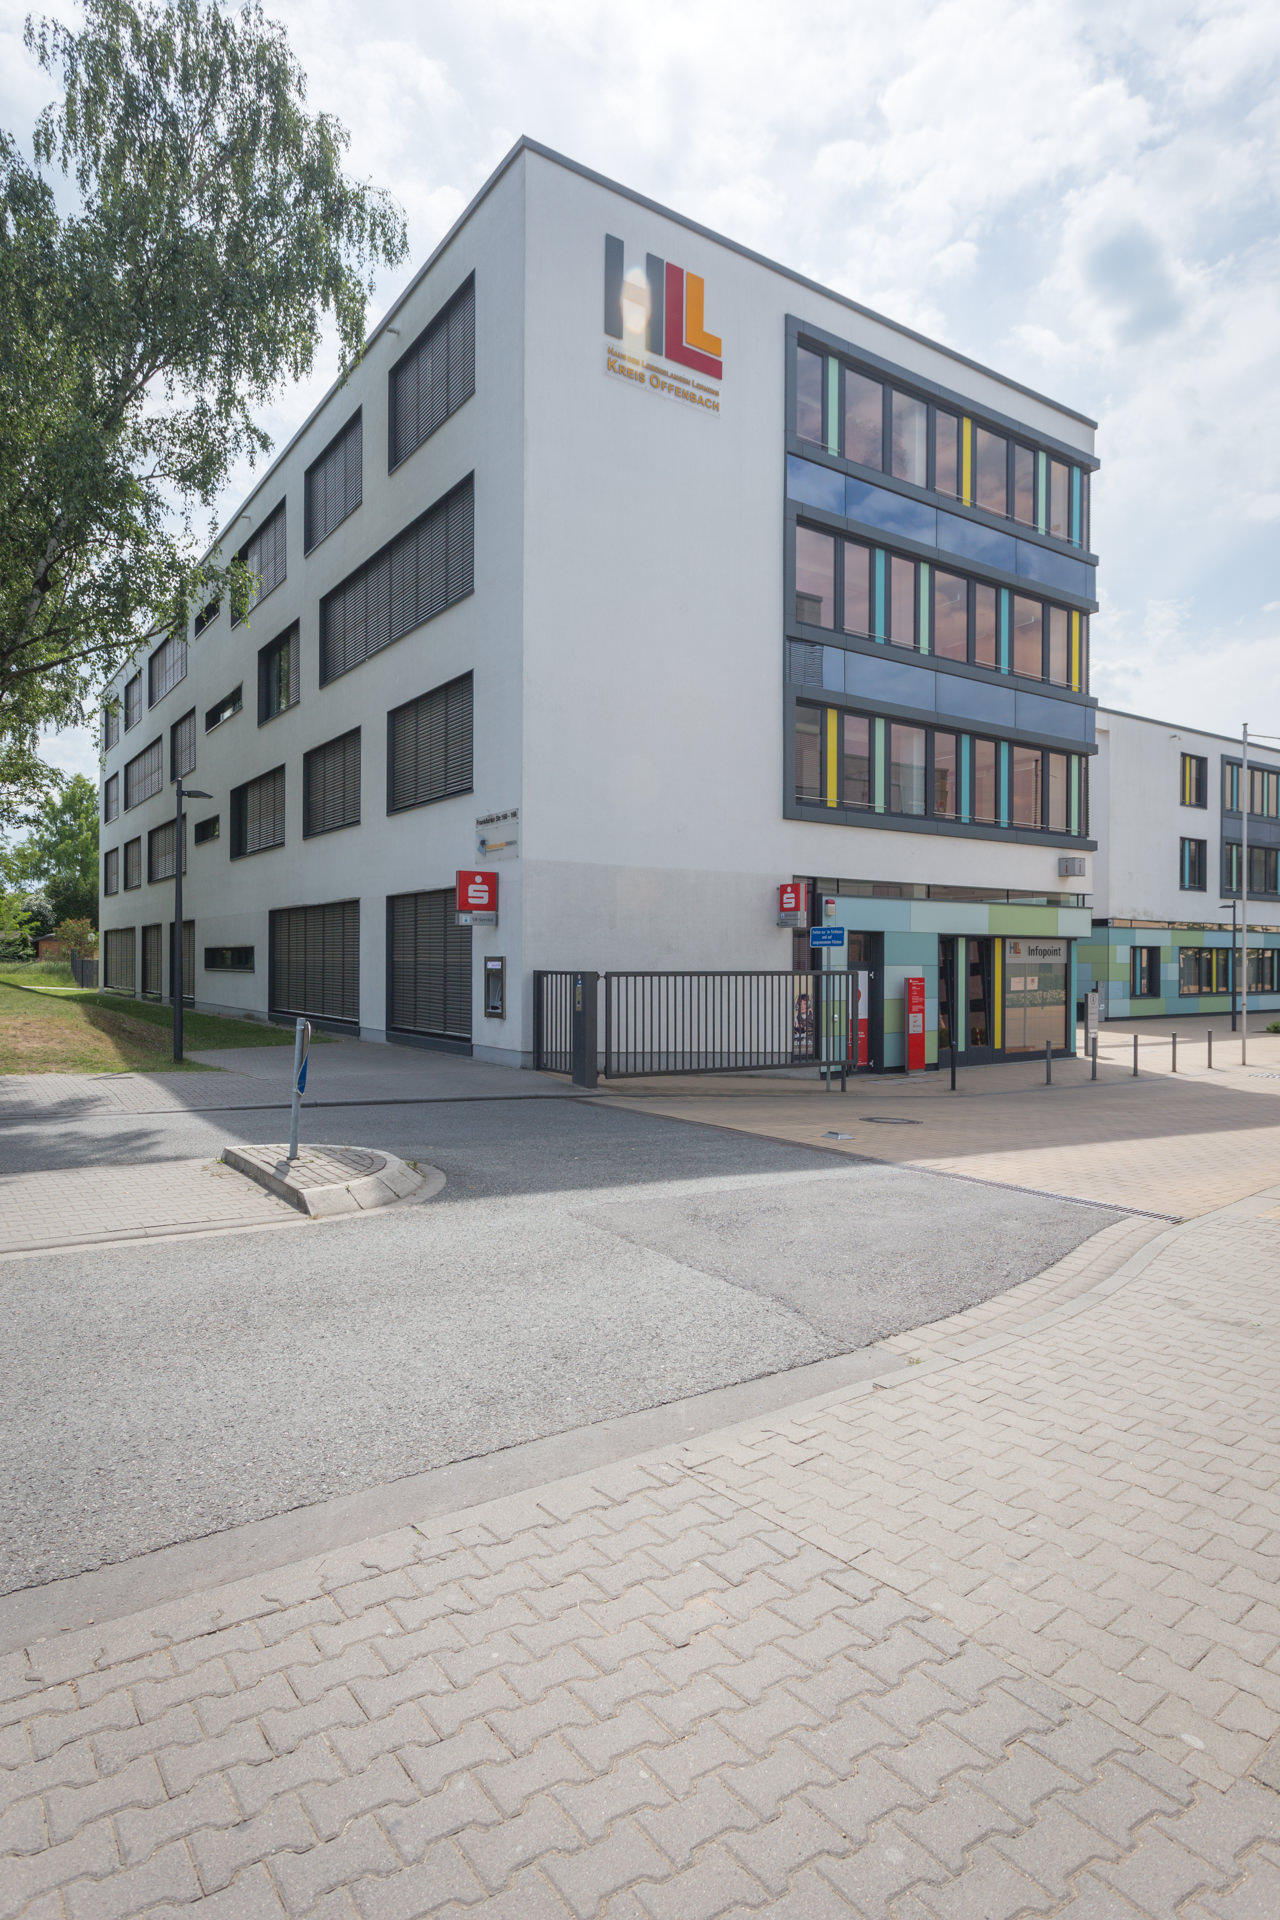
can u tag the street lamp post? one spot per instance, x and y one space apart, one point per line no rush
1222 907
175 962
1244 898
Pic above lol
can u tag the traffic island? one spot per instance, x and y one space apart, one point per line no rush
327 1181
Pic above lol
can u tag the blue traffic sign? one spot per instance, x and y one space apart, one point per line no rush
826 936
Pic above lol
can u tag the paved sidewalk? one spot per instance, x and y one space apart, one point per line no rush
992 1636
90 1206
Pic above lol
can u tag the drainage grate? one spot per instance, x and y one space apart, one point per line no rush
1264 1076
888 1120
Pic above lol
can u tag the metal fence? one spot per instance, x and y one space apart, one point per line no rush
83 971
702 1022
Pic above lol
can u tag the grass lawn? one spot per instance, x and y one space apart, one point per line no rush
50 1030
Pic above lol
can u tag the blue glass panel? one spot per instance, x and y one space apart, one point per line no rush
814 486
975 700
1056 570
877 507
833 669
1061 719
972 542
896 682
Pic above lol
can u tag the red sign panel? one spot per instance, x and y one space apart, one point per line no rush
793 896
477 892
915 1022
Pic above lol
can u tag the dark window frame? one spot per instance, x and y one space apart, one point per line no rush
257 539
207 830
239 809
133 702
173 646
111 798
312 765
340 442
131 847
226 709
1193 865
111 870
212 965
460 684
289 641
1144 969
1193 774
456 575
464 293
130 796
175 771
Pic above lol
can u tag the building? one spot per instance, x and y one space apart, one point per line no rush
644 574
1167 886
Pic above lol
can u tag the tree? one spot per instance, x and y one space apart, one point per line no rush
214 231
59 856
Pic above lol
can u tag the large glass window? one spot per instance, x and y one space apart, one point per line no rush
1144 973
815 577
902 602
946 775
1035 1000
278 676
1204 970
910 439
1195 780
1263 863
1058 794
946 453
950 616
906 769
856 756
985 627
1264 969
1264 793
991 471
863 419
1024 484
1027 771
808 755
1194 866
809 371
1059 647
857 587
985 789
1028 637
1059 496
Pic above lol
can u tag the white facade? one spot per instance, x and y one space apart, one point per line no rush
625 631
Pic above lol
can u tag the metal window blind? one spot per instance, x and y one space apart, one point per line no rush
334 484
111 798
263 554
435 376
315 961
331 785
429 966
167 665
257 814
118 954
144 775
132 702
430 746
111 870
182 746
417 575
160 844
132 864
278 676
110 727
152 962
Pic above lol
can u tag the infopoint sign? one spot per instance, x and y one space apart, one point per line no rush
657 313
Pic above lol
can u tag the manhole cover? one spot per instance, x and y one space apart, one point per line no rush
888 1120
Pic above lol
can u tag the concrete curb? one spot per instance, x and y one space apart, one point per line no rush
314 1183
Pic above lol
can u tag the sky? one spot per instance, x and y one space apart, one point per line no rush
1082 194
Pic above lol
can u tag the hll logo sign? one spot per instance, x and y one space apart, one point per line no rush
659 308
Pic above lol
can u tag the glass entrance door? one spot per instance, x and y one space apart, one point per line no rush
979 1038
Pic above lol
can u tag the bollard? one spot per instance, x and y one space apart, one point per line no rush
1211 1049
844 1068
301 1050
1174 1040
1135 1056
953 1066
1093 1072
1048 1064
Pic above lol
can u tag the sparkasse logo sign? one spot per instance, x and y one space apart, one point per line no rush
658 312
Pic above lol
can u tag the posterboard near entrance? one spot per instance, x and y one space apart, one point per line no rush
913 1007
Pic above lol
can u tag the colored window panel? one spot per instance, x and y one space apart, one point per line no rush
1027 798
1059 764
1059 646
1028 637
809 396
946 775
910 438
1059 498
985 628
991 471
1144 972
815 577
985 790
863 419
1194 865
902 602
856 760
946 453
857 587
950 616
1024 485
808 755
906 769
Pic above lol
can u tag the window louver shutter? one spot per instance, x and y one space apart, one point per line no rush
331 785
152 962
425 569
334 484
132 863
119 955
144 775
315 961
111 870
430 971
264 555
430 747
435 376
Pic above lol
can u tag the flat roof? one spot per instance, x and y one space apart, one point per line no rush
1260 745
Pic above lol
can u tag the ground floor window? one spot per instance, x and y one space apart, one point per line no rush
119 961
1204 970
1035 994
1264 969
428 966
1144 972
152 962
315 961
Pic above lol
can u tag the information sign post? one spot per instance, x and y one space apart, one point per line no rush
913 1010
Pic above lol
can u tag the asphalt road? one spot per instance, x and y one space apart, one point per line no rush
580 1263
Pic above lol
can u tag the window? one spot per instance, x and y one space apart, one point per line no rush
264 555
1028 766
1262 869
334 485
228 959
1059 793
906 769
1264 793
110 727
206 615
228 705
1024 485
910 439
257 814
815 577
1231 786
278 676
167 665
132 701
1195 780
422 571
1204 970
1231 866
985 783
902 602
152 962
809 371
206 830
182 746
1059 647
1194 865
132 864
1059 488
429 746
118 963
1264 969
111 870
950 616
430 966
985 629
435 376
1028 637
111 798
946 776
144 775
314 963
991 471
863 419
946 453
808 746
160 845
1144 973
856 769
331 785
857 587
